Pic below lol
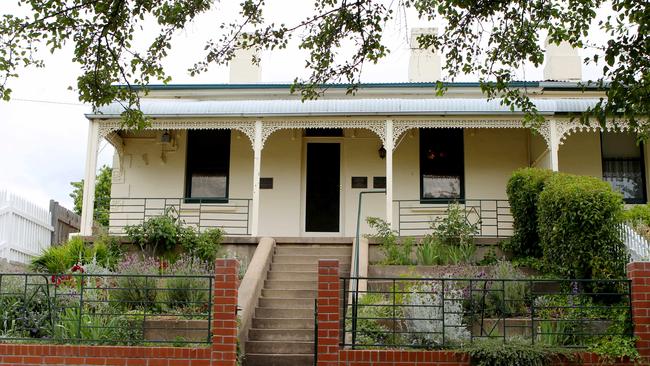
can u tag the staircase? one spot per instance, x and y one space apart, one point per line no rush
282 333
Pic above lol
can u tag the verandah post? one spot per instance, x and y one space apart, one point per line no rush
389 171
88 205
257 164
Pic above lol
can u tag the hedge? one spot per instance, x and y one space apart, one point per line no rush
523 190
638 214
578 219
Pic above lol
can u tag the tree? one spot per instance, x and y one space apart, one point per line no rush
489 38
102 195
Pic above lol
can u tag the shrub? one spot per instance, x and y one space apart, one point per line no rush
24 307
523 189
508 298
157 235
374 321
514 352
428 251
185 291
427 321
59 259
638 214
395 252
160 235
578 221
206 245
136 291
453 228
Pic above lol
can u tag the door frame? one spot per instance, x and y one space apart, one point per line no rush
303 186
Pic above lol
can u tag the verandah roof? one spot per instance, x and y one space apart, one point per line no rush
341 107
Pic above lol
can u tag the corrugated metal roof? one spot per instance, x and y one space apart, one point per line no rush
339 107
271 85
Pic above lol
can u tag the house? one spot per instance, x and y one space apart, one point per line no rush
257 161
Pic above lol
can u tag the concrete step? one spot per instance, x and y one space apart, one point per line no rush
309 259
281 334
293 275
283 323
256 359
274 348
289 294
309 250
290 285
283 303
283 313
304 267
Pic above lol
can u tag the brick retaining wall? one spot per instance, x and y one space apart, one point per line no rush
330 353
222 351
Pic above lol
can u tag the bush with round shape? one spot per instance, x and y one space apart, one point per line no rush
523 189
578 220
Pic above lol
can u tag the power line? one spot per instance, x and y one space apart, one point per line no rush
48 102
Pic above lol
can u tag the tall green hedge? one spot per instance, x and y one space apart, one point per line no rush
578 219
523 190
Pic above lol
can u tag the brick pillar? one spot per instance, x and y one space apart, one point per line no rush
639 274
328 312
224 312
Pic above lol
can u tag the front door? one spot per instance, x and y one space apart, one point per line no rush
323 187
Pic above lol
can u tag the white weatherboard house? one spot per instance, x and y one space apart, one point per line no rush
257 161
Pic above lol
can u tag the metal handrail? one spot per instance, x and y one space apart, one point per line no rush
193 211
489 215
355 270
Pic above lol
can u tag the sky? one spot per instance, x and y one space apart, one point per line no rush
44 131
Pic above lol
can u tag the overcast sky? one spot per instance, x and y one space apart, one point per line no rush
44 130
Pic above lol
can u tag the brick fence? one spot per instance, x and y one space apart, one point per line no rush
330 353
222 352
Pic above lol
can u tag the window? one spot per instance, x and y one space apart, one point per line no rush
623 165
208 164
441 163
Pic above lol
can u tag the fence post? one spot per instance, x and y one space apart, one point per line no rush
328 312
224 312
639 274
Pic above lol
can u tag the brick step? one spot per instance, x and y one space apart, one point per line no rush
255 334
256 359
274 348
283 323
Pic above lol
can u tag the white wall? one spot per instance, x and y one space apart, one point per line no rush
490 157
580 154
280 206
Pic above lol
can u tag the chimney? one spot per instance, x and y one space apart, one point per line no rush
562 63
424 65
242 69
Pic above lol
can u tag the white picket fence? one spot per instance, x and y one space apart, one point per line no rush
25 228
637 245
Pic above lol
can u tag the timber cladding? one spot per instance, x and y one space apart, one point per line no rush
222 351
331 354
